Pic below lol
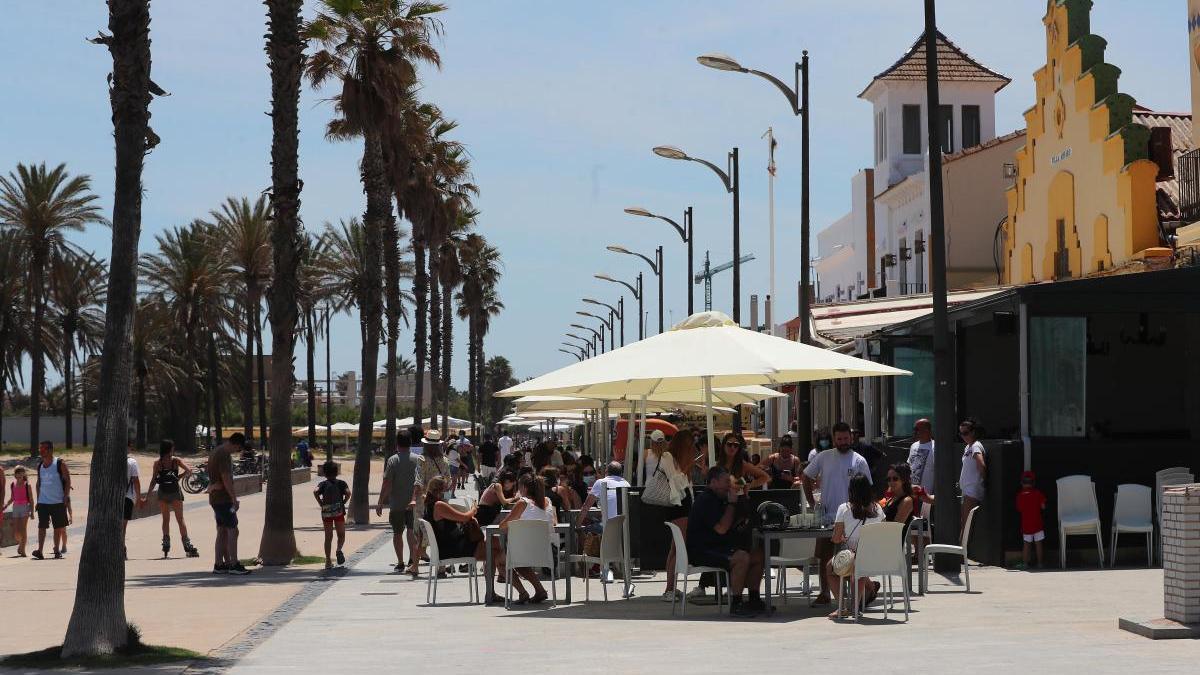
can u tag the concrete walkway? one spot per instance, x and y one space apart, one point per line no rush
1012 621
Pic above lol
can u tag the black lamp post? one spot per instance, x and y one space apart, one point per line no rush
685 233
599 335
578 356
617 312
637 293
606 323
588 347
732 184
797 96
656 266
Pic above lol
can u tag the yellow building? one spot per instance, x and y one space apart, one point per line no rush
1085 198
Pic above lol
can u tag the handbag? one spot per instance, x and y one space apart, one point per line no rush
658 490
843 561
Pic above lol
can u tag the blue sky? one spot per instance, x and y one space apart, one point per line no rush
559 103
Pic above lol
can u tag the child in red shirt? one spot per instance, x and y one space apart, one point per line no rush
1030 504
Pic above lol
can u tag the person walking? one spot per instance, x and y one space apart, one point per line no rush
53 491
489 457
505 444
224 503
133 493
21 499
399 480
166 474
331 495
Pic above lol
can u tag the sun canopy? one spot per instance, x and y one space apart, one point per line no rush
705 350
658 402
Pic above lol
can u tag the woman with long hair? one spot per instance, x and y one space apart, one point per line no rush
901 504
495 497
732 457
167 474
681 456
860 510
456 531
533 505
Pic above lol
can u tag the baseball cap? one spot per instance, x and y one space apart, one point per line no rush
1028 476
657 435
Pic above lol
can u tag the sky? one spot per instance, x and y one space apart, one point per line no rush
559 103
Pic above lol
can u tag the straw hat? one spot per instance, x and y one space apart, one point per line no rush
432 437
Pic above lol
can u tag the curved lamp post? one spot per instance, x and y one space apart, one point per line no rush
587 345
656 266
598 333
578 356
685 233
618 312
797 97
729 177
607 323
637 294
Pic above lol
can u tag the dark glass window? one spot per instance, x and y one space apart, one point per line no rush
970 126
912 129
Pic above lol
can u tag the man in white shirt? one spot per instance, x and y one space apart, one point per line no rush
605 487
133 488
834 468
506 445
921 456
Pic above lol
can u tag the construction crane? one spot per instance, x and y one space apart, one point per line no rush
709 272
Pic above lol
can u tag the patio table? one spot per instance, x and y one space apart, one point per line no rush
769 536
494 531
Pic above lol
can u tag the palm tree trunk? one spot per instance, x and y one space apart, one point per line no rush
285 50
379 212
139 441
262 378
310 341
214 389
98 624
248 362
38 354
435 333
391 269
471 371
447 353
420 336
67 338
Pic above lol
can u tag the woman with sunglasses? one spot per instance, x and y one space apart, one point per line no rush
733 459
901 504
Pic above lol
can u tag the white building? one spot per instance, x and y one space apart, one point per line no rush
878 249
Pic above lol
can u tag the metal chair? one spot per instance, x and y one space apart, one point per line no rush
436 563
529 546
1132 515
950 549
682 567
916 534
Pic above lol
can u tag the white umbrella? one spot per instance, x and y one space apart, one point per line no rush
705 351
345 427
659 402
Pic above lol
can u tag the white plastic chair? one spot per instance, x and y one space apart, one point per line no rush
683 568
1132 515
612 550
799 553
1177 475
436 563
1078 513
881 552
961 551
529 546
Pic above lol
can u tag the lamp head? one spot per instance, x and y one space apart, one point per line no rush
638 211
619 249
720 61
604 277
670 152
577 325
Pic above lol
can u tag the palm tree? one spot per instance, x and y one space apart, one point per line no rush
372 48
450 276
310 292
98 625
77 289
245 229
42 206
13 317
497 375
477 303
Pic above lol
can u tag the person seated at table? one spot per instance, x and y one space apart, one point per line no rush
569 474
699 468
512 461
715 538
456 531
783 467
496 497
859 510
900 502
533 504
732 457
564 498
605 487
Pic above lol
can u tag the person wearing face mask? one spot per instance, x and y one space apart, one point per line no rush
606 489
822 440
834 468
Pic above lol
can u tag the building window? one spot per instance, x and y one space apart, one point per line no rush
971 133
912 129
946 117
1062 260
903 263
919 258
912 396
1057 375
881 137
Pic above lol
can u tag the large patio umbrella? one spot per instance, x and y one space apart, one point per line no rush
705 351
658 402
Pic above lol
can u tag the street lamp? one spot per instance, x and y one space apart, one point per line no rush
732 184
685 233
618 312
606 323
637 293
599 334
797 97
588 346
578 356
656 266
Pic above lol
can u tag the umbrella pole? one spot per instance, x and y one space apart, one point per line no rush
708 416
641 445
629 436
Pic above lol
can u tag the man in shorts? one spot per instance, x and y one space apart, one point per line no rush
53 492
712 541
399 477
224 503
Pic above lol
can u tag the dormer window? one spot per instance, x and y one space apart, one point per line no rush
912 129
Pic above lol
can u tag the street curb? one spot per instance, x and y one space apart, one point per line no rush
227 655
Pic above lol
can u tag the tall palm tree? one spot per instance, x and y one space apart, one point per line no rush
245 229
285 52
77 289
477 303
42 206
13 317
372 49
98 624
450 276
310 293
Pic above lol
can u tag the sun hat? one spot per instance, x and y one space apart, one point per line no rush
432 437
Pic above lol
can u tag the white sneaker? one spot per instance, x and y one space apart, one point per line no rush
696 596
672 596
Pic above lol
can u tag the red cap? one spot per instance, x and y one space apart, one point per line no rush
1028 475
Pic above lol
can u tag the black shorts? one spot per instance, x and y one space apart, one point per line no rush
225 515
128 509
401 519
712 557
52 514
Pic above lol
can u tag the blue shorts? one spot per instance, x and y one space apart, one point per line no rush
225 515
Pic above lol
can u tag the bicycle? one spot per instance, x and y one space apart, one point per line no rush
197 481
